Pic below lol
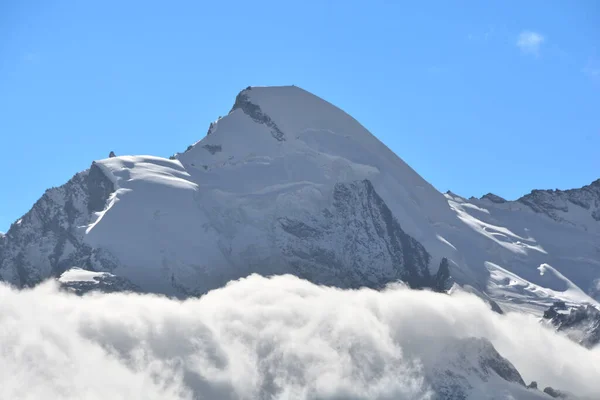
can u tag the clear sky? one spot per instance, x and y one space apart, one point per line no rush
477 97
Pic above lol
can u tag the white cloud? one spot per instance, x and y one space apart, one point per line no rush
530 42
277 338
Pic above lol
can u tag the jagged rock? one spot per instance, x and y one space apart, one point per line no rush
550 313
493 198
442 280
111 154
553 202
243 103
532 385
49 238
581 323
559 305
557 394
210 128
365 244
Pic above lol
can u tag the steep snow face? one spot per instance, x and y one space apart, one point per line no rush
285 183
285 136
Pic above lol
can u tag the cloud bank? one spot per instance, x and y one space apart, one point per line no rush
262 338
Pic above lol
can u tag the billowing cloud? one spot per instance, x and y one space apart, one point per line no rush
530 42
259 338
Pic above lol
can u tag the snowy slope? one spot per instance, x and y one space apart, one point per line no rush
526 259
287 182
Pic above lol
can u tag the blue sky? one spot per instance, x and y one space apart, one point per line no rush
476 96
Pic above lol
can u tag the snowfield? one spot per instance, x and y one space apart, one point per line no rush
530 260
80 275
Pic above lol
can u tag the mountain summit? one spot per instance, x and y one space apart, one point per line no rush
286 183
289 183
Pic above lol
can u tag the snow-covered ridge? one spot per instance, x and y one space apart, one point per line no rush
557 203
289 183
281 170
516 244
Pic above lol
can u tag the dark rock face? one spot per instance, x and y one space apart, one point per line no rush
581 324
532 385
493 198
48 239
442 281
253 111
355 242
213 148
557 394
99 188
210 128
559 305
551 202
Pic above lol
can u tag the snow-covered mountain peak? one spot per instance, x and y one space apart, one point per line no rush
293 110
289 183
283 114
286 182
281 135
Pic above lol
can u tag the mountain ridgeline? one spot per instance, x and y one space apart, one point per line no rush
288 183
370 249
